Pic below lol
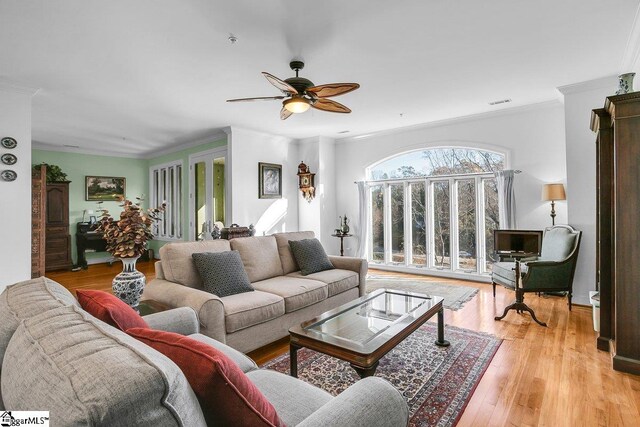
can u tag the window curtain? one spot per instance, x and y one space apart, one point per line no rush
363 223
506 199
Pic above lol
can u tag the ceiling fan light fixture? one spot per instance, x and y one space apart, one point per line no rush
297 104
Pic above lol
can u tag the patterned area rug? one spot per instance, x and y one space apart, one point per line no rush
437 382
454 296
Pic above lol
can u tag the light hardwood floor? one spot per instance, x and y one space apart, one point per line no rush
550 376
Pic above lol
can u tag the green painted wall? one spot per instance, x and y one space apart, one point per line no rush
184 156
77 166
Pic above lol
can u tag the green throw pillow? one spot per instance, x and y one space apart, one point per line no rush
222 273
310 256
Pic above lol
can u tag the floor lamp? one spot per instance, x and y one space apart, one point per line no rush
553 192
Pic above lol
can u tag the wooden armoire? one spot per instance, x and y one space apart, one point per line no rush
58 241
618 228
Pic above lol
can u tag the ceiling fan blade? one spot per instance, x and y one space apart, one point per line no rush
284 114
280 84
329 105
333 89
260 98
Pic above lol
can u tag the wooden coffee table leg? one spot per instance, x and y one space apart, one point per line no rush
365 372
293 359
441 341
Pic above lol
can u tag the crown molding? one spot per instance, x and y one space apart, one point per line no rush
183 146
13 86
601 83
455 120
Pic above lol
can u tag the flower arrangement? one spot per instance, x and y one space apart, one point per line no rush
127 237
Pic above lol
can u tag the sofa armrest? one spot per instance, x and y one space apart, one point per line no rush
207 306
359 265
182 320
371 402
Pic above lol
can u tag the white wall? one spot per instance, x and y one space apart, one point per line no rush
247 149
15 197
320 215
532 137
579 100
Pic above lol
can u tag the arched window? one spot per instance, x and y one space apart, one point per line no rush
436 209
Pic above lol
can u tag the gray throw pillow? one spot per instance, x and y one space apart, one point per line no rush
222 273
310 256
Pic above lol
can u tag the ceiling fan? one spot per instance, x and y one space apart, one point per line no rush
300 94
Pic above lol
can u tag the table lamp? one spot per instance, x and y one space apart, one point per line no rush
553 192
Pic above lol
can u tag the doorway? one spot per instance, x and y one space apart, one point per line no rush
208 190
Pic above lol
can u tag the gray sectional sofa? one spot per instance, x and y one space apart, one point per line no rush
57 357
283 297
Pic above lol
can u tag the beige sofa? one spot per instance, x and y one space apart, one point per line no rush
283 297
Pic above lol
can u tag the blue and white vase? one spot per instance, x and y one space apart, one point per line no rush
129 284
625 83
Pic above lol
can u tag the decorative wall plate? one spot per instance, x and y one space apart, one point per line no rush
9 159
8 142
8 175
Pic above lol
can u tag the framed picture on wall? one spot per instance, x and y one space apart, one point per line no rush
269 181
104 188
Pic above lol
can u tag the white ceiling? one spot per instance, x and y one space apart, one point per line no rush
134 77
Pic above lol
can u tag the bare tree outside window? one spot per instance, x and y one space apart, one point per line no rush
459 166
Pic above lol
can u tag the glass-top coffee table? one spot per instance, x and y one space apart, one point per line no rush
362 331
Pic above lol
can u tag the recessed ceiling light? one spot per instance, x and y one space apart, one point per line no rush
71 146
232 39
344 131
500 101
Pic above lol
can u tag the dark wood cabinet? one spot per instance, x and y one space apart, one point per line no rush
58 241
618 228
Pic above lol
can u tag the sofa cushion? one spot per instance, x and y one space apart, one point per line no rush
337 279
310 256
259 256
227 397
297 292
252 308
289 264
26 299
110 309
86 372
222 273
177 263
293 399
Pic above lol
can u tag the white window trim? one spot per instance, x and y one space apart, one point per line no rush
176 200
453 271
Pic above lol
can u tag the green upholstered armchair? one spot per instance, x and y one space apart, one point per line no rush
553 271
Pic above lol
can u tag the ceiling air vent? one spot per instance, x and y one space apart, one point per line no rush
500 101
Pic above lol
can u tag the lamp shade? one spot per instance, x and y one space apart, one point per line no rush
553 192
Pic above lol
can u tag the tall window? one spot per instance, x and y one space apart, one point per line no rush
166 186
435 209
